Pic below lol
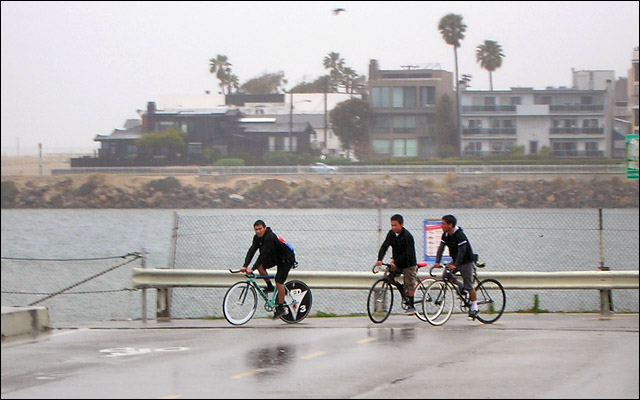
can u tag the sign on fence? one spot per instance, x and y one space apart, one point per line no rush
432 236
632 156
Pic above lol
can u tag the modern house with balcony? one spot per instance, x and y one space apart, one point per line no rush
404 103
572 121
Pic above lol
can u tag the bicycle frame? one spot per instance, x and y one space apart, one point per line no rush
270 302
439 303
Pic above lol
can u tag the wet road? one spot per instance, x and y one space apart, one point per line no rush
521 356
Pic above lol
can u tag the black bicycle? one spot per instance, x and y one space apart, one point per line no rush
438 301
380 300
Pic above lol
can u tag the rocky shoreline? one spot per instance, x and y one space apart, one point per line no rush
95 191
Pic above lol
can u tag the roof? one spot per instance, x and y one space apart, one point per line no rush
274 127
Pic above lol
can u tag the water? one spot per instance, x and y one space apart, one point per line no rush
327 239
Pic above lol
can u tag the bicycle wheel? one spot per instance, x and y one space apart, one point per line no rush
240 303
298 302
380 301
418 295
491 300
437 303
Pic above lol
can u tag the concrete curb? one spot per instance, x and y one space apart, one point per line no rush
17 321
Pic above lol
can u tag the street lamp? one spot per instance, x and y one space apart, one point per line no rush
291 119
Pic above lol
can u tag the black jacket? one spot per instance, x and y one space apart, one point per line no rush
272 250
459 247
404 249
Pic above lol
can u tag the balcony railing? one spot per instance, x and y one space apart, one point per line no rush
590 131
489 131
576 107
488 108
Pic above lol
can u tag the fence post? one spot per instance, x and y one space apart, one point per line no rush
144 290
606 305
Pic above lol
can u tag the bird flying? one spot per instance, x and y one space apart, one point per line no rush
337 11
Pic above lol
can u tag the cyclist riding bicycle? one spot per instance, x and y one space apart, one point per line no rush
462 255
403 257
273 251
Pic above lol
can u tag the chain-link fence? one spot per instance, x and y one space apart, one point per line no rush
348 240
337 240
91 289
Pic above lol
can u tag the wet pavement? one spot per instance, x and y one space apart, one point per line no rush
520 356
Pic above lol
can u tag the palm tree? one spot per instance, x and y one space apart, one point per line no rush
335 63
231 81
489 55
452 29
222 68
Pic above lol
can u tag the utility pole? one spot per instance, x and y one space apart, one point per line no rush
290 120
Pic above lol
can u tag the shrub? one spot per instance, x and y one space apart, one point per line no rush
165 185
230 162
87 187
9 192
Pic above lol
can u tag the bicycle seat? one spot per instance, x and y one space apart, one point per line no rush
421 264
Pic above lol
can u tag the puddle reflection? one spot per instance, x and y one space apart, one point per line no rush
271 360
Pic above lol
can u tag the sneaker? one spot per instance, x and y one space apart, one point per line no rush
410 311
473 314
278 313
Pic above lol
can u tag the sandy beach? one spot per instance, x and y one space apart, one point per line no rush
30 165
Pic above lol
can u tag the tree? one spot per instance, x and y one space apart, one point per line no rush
169 142
231 82
351 121
318 86
335 63
489 55
222 68
452 29
267 83
445 129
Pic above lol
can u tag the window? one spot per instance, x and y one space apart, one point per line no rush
405 147
404 97
381 146
475 123
398 97
162 125
427 96
489 101
508 123
515 101
272 143
410 97
586 100
533 147
590 123
591 146
474 146
495 123
545 100
382 124
404 124
380 96
184 127
287 147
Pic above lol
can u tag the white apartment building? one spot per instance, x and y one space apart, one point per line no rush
574 121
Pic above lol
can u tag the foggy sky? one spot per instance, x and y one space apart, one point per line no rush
74 70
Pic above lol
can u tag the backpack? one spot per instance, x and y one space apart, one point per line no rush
289 253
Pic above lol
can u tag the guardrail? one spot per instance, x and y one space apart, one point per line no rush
164 279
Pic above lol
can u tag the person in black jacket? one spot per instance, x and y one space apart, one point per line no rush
272 252
403 257
463 259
